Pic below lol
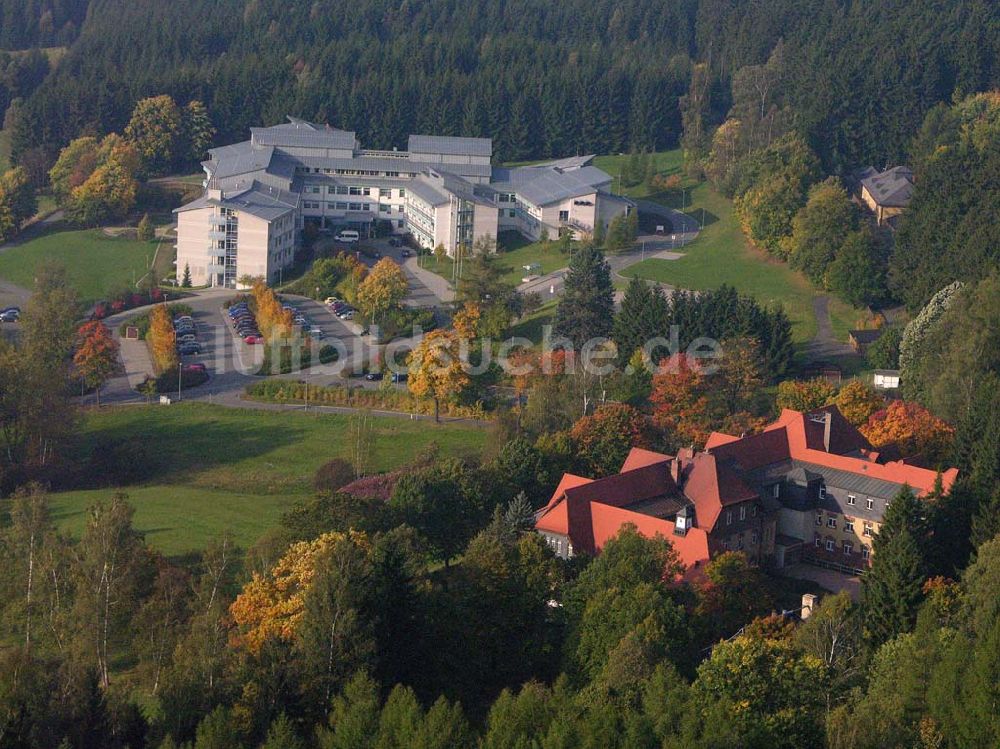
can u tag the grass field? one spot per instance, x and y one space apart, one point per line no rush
721 255
211 468
95 263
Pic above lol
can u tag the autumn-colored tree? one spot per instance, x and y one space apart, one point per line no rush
383 289
110 190
436 368
466 320
911 428
275 321
272 605
162 338
858 401
17 202
96 356
805 395
681 406
75 164
741 374
604 439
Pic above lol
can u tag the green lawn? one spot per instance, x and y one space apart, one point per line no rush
211 468
531 326
95 263
721 255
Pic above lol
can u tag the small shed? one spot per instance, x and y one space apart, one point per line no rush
886 379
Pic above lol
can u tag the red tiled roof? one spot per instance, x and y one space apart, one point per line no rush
639 458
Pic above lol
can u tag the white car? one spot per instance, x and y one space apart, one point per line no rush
348 236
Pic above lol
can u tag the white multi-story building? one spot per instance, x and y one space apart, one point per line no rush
261 193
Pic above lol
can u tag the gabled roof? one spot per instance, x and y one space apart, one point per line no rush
258 200
638 458
891 188
542 185
298 133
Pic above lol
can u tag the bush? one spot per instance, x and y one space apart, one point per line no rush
332 475
284 391
127 300
166 383
326 354
116 462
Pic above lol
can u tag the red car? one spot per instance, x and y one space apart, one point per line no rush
252 339
195 367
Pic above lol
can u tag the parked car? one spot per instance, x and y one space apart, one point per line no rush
315 332
349 315
348 236
395 242
248 330
400 377
301 320
253 339
339 306
330 301
185 349
374 376
10 316
10 309
187 338
195 367
237 321
406 253
183 318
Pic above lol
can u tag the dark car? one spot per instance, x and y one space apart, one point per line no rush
395 242
189 348
374 376
406 253
400 377
10 316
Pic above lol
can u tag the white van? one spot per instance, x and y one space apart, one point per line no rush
348 236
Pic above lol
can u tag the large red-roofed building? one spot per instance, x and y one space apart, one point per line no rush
808 487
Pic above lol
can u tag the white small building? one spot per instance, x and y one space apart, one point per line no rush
886 379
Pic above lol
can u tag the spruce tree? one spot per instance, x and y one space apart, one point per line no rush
892 590
186 278
643 315
282 735
586 309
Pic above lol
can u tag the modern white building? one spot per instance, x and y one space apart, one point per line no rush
261 193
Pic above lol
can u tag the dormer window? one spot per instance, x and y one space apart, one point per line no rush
743 512
776 489
870 502
822 491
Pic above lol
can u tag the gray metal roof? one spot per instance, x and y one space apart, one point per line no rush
450 145
301 134
259 200
893 187
428 192
387 164
239 158
541 185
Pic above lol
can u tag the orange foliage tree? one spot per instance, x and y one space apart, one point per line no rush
603 439
680 399
913 429
271 606
162 338
96 356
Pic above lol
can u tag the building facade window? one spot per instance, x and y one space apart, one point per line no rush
754 538
868 529
729 517
870 502
829 544
848 548
776 490
848 525
819 518
822 491
831 522
851 499
865 552
743 512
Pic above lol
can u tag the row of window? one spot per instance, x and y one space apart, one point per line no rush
831 522
848 547
352 172
382 192
738 545
743 513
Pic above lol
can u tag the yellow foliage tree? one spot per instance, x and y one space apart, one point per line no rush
436 369
857 401
466 320
272 606
275 322
161 338
382 289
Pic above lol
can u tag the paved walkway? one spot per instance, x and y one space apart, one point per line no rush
824 346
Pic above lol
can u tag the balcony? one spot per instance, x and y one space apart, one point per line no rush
217 220
216 251
217 234
216 268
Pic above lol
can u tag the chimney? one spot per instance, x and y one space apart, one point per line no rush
808 604
827 428
675 470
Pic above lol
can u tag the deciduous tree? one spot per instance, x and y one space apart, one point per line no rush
604 438
383 289
96 357
911 428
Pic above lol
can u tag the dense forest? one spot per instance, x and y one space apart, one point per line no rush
40 23
540 78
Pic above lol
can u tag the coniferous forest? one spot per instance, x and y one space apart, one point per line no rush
540 78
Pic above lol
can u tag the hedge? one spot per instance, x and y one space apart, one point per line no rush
142 321
286 391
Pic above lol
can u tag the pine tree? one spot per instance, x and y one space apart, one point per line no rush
144 231
282 735
643 315
354 716
186 278
400 719
586 310
892 590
